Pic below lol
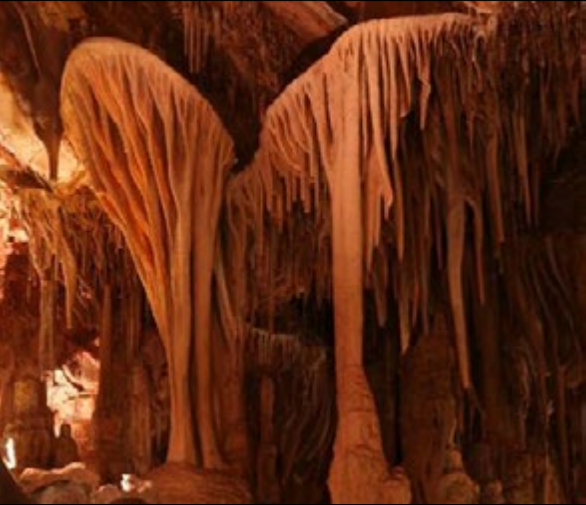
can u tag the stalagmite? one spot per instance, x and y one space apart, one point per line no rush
47 356
158 157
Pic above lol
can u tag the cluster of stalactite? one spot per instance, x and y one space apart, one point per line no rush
73 244
295 400
418 146
81 256
441 133
248 34
537 339
51 256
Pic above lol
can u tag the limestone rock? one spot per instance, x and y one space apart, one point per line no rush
34 480
64 492
178 483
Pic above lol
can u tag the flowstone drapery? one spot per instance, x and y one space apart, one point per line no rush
158 157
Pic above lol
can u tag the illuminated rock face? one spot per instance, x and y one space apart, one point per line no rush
71 396
12 234
9 454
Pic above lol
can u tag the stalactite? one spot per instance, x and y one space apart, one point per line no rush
158 158
47 357
26 24
305 413
199 23
282 353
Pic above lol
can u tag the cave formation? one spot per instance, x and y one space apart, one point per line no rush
292 252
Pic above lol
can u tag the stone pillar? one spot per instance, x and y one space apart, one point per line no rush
268 488
31 425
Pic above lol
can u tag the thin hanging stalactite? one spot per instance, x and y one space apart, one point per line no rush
47 330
